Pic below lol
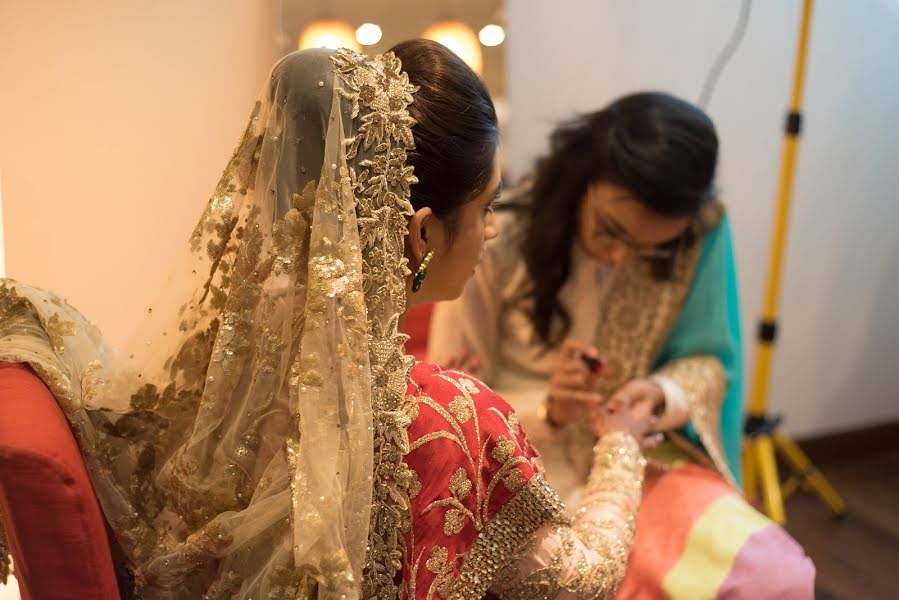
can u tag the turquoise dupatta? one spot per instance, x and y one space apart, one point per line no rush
709 324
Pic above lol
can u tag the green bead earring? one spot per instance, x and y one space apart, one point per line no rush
421 272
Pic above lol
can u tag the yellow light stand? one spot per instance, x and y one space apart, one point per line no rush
763 435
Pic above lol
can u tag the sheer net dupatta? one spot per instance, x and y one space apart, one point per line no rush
250 440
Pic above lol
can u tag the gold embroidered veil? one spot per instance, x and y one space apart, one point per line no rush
249 441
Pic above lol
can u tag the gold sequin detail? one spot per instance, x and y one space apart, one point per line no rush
379 94
504 449
702 380
248 265
460 485
290 236
220 205
56 330
440 565
614 488
13 308
514 480
534 506
454 521
460 409
205 543
469 480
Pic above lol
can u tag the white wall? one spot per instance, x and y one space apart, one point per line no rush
837 360
116 119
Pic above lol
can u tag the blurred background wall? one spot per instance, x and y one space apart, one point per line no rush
116 119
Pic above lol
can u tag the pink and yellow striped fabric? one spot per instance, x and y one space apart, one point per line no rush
697 539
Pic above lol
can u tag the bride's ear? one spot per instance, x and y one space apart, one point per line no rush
420 238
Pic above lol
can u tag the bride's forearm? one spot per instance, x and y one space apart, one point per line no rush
586 558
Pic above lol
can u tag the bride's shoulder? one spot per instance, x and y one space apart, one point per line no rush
456 391
455 416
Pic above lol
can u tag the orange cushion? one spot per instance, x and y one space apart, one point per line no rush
56 530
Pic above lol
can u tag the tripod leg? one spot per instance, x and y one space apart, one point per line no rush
770 483
794 455
750 471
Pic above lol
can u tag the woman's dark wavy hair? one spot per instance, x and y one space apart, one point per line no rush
662 149
456 132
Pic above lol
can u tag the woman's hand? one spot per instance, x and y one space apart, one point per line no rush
633 408
609 419
643 396
465 361
572 387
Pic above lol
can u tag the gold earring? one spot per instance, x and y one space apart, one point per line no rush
421 272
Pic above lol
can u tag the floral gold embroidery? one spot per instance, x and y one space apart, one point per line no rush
221 202
460 485
57 329
504 449
454 521
504 536
233 364
460 409
379 94
514 480
305 371
414 485
290 236
514 424
438 564
460 508
13 308
92 381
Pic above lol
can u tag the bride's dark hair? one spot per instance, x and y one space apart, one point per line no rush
456 133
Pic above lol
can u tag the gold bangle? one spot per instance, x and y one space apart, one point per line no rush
543 413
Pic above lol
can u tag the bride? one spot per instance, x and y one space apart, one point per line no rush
265 436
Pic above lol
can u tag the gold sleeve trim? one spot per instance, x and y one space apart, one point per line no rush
702 380
536 505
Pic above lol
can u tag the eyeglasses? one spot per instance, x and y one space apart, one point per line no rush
610 238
